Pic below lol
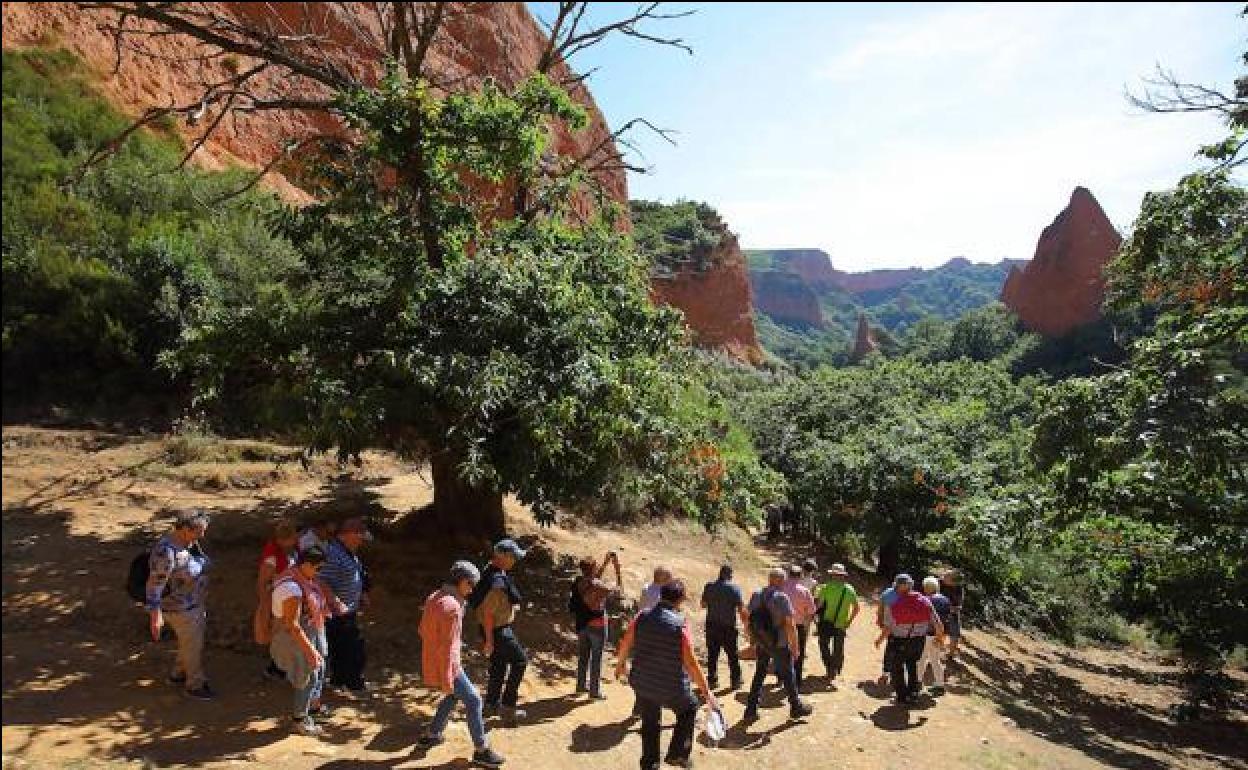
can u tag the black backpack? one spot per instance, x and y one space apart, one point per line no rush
141 570
763 626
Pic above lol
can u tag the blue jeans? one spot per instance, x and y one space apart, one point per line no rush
590 642
462 690
310 692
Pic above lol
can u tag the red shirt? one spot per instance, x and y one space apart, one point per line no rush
281 559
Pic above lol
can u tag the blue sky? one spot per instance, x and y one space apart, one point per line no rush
898 135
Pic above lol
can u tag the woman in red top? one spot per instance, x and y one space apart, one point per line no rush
278 555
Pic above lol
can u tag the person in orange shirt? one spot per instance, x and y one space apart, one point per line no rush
441 638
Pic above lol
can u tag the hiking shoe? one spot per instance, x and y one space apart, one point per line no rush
203 692
308 726
429 740
488 757
177 679
512 715
749 716
802 710
683 762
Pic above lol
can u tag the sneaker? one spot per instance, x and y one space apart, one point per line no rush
802 710
177 679
488 757
749 716
937 690
429 740
685 762
308 726
203 692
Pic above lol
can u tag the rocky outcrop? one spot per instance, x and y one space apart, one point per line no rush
864 340
717 302
1062 287
497 40
787 298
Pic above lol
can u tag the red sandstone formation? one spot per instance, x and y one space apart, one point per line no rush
716 303
786 297
815 267
1063 286
498 40
864 340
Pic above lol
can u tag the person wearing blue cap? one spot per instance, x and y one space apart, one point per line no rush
495 600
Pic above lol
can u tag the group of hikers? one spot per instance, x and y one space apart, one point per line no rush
312 585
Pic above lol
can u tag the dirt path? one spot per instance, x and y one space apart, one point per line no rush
82 687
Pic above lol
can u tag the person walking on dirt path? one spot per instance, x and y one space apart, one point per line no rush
300 607
837 603
951 586
803 613
883 621
650 594
911 615
663 664
343 572
931 647
441 644
810 575
495 600
588 605
724 603
774 635
176 585
278 553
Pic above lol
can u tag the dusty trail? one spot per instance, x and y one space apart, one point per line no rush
83 689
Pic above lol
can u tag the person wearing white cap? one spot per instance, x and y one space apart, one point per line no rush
441 644
838 606
911 616
931 647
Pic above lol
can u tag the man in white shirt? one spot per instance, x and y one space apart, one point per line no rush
650 594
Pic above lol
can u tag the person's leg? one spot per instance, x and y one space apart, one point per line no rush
914 651
517 661
896 667
318 641
189 628
466 692
799 655
824 631
336 636
583 645
955 633
650 718
838 650
937 663
358 655
682 736
734 662
442 715
498 673
787 675
713 644
761 666
598 641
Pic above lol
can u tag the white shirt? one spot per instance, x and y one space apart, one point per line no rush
810 583
287 589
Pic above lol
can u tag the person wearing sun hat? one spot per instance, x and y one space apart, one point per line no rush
837 603
495 600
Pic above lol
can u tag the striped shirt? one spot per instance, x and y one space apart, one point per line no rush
344 574
183 570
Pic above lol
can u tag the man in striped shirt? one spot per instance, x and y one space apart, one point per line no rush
345 575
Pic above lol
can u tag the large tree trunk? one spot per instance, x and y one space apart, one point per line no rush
890 557
459 507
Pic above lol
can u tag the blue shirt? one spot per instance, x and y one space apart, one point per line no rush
183 570
344 574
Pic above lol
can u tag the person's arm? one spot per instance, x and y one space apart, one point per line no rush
488 608
694 669
160 567
881 637
940 627
623 650
290 619
853 612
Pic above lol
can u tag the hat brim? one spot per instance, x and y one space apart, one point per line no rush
838 573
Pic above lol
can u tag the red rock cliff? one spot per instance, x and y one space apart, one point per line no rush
717 303
786 297
1063 286
498 40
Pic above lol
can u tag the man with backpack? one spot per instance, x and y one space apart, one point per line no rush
911 615
774 634
837 604
174 594
494 600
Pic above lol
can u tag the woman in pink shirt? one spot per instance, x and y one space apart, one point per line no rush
441 637
804 610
